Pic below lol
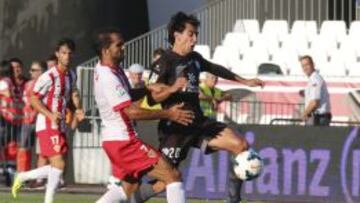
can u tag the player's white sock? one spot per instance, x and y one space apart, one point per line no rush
175 193
52 183
41 172
115 194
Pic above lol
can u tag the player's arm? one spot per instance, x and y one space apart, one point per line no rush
120 101
41 87
156 88
222 72
175 113
166 91
41 108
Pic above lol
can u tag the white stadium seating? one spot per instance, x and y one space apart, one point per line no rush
204 50
306 29
249 26
335 50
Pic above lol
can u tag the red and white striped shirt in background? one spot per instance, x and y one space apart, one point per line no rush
54 89
12 105
111 88
29 111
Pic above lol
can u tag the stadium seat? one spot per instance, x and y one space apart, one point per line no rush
354 30
204 50
352 43
288 59
237 40
245 67
258 54
326 45
276 28
354 69
226 56
333 29
335 68
270 43
270 69
345 54
219 56
296 42
307 29
248 26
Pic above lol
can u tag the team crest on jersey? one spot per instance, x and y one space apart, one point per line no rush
120 90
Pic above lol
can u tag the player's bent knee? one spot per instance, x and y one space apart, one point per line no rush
239 144
57 161
159 187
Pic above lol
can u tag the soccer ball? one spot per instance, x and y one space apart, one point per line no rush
248 165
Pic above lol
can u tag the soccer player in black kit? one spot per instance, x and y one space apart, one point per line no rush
204 133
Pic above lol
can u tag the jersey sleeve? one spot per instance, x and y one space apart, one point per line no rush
315 89
42 85
4 85
115 93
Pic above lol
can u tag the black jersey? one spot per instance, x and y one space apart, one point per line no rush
171 66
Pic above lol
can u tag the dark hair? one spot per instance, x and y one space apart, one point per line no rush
5 69
16 60
65 42
42 65
178 23
52 57
102 39
307 57
159 51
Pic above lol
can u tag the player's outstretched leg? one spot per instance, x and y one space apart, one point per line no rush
171 177
119 192
20 178
235 144
57 167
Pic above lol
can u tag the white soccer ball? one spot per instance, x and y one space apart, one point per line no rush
248 165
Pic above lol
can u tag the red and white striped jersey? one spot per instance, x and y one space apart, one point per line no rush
12 105
29 111
111 88
54 89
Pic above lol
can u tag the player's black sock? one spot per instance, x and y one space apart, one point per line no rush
234 188
144 193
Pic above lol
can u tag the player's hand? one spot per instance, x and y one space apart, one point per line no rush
55 117
179 84
179 115
255 82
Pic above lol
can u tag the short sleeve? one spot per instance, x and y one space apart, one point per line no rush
43 84
114 91
4 85
315 89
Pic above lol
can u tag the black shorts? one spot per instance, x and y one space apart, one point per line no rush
175 144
